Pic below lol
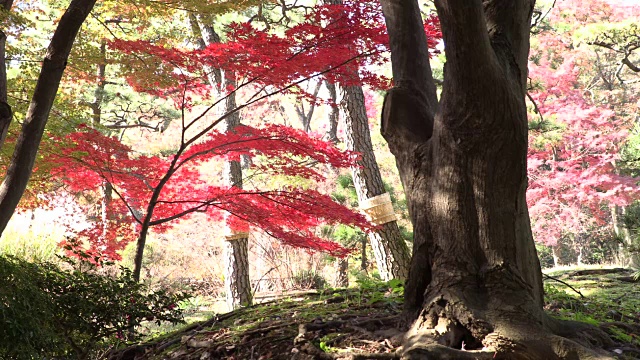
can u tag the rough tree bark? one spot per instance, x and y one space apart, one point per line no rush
55 61
475 279
334 114
389 249
342 275
236 257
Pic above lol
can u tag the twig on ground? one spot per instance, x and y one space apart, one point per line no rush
562 282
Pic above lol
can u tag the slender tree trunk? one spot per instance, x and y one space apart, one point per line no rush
98 93
555 251
105 209
55 61
475 280
306 116
342 276
236 280
622 232
6 115
363 260
334 114
389 248
96 119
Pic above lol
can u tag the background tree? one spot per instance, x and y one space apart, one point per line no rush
19 170
390 250
236 278
579 132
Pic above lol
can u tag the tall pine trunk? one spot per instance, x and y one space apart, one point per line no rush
475 280
236 273
236 278
389 249
236 256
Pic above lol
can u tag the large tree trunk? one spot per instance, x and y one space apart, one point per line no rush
389 249
475 279
28 142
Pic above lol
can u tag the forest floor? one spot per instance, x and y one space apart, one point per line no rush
364 322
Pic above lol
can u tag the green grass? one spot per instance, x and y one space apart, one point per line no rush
606 300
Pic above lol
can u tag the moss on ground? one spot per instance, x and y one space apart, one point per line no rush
337 323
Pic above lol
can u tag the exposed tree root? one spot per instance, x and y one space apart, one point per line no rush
434 351
564 283
517 346
596 272
628 328
449 328
585 334
629 279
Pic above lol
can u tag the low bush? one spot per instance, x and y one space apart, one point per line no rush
308 279
71 310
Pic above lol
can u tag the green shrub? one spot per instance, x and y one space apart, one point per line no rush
308 279
49 311
23 307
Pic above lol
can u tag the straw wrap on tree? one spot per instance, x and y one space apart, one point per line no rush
230 236
379 209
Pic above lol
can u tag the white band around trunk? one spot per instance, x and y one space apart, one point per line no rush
379 209
230 236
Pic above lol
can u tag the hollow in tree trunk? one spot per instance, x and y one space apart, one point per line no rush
475 280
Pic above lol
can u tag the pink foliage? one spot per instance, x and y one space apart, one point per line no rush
572 176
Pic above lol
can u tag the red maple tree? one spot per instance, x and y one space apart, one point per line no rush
155 190
336 41
340 42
